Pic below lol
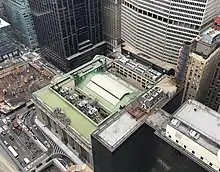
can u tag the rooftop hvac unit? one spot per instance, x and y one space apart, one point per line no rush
56 88
143 68
175 122
158 74
156 88
150 99
154 94
73 97
83 103
123 60
149 102
139 70
144 106
151 91
194 134
146 95
130 65
67 89
92 111
62 92
133 63
154 77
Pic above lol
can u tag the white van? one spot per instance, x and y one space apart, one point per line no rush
6 143
26 160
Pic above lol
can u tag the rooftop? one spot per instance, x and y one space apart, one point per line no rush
118 129
209 36
52 100
198 57
109 90
88 96
201 119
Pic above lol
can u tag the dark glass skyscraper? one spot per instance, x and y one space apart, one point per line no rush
69 31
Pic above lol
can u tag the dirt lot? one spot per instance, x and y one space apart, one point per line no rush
18 83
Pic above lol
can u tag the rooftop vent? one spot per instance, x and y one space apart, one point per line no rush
175 122
194 134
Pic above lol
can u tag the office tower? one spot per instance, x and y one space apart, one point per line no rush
182 63
19 16
7 47
69 32
202 78
213 95
157 29
112 23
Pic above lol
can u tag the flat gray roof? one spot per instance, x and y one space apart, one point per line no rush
201 119
118 129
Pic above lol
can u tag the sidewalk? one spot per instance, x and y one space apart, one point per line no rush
70 154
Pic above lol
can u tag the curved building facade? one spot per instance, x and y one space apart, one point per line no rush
158 28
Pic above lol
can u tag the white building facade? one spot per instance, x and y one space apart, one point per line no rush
194 128
157 28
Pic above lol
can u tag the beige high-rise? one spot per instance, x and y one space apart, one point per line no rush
203 69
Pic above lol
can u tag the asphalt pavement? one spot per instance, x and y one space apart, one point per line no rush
20 142
28 139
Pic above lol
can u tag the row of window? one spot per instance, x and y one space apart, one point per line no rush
193 152
131 74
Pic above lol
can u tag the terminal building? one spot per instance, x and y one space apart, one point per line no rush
85 100
111 114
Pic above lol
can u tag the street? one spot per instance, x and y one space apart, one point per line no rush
34 148
20 142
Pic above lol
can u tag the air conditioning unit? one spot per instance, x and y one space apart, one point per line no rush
175 122
194 134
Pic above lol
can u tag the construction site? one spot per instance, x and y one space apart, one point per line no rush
19 80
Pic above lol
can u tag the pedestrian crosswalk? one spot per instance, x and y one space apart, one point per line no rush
56 148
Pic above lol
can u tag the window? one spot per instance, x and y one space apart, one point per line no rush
177 141
84 154
184 146
210 164
169 136
193 152
201 158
